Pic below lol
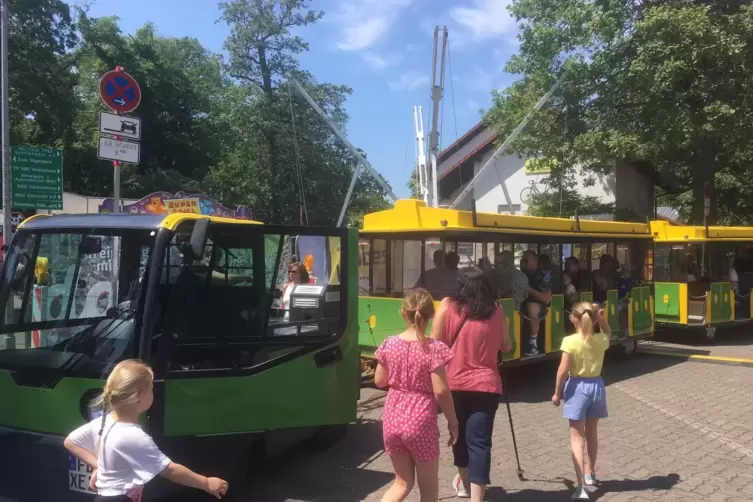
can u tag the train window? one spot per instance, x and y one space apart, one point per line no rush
721 260
431 246
234 305
552 251
364 248
411 264
675 263
467 254
580 252
597 251
396 267
379 267
662 270
232 267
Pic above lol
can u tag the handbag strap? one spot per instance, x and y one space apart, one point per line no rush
457 332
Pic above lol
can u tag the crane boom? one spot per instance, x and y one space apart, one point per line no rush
437 89
421 174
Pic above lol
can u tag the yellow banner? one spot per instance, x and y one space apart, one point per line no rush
540 166
183 206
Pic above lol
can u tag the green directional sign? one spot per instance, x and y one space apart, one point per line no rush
37 177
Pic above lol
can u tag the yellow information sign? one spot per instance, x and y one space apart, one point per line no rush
540 166
183 206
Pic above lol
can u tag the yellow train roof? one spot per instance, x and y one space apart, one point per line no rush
172 221
663 231
119 220
413 216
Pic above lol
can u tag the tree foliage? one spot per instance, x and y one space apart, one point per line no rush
234 129
667 82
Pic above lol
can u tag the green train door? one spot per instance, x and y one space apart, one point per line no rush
238 364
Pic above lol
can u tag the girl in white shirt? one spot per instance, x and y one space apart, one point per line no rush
123 456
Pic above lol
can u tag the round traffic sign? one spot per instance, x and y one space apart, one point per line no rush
119 91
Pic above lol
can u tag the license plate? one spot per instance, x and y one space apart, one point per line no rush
79 474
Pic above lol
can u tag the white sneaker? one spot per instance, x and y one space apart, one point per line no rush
590 479
580 493
457 485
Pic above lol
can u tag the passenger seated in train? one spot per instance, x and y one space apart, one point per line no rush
440 281
534 307
604 278
571 280
624 293
508 281
540 281
692 268
485 265
453 261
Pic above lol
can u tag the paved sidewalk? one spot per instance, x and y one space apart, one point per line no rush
678 431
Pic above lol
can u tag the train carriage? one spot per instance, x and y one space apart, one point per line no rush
702 277
195 298
397 246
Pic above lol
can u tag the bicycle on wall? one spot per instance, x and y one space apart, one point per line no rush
531 192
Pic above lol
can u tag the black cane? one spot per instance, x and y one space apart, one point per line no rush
512 428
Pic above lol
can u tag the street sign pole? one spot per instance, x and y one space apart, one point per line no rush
116 173
7 211
122 94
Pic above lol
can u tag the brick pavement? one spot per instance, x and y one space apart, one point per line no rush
678 431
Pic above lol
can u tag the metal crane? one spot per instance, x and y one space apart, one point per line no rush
437 90
421 173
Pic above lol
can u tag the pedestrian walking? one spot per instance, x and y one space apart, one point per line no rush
472 323
124 457
413 366
580 386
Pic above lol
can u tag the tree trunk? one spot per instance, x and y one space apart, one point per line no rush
703 186
273 203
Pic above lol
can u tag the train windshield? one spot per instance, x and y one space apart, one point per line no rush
70 300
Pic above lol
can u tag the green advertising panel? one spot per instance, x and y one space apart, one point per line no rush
37 177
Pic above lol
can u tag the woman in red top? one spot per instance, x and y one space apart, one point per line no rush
472 323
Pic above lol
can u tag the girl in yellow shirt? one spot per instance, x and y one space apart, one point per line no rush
580 385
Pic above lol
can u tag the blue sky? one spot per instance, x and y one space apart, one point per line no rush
382 49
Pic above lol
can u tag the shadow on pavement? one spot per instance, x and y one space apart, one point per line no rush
726 336
345 466
654 483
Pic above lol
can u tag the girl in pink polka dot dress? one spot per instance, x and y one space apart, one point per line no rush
413 367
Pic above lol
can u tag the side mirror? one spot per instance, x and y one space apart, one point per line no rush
194 249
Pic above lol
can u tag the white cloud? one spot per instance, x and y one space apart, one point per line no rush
379 62
364 23
411 81
485 20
